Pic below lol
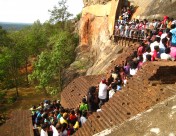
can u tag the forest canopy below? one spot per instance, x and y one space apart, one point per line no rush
38 54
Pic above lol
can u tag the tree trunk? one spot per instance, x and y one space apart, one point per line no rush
16 76
45 92
60 80
27 80
16 88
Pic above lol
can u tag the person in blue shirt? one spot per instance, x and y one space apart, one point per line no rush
173 31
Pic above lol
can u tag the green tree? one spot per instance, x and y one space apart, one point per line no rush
37 38
60 13
9 64
50 64
4 40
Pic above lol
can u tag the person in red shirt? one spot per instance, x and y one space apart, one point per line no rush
155 53
141 49
72 117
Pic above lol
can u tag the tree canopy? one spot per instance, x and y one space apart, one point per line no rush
60 13
48 49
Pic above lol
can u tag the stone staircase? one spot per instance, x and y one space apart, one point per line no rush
144 90
154 82
72 95
19 124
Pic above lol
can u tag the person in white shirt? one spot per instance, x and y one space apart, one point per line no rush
133 68
55 132
163 45
102 93
166 55
127 29
164 35
83 118
113 90
44 130
148 51
174 22
155 43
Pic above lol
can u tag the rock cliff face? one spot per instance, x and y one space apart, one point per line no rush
93 2
96 49
154 8
96 30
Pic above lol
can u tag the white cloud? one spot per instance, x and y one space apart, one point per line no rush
31 10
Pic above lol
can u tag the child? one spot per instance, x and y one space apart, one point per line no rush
155 53
83 106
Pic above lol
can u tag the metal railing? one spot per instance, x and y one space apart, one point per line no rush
132 35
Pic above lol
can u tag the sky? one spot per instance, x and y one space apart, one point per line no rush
28 11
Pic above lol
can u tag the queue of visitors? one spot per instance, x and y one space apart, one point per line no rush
142 28
126 13
54 120
156 33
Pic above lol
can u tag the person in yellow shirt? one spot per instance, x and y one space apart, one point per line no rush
63 119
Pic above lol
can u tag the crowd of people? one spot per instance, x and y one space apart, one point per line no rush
161 34
142 28
54 120
159 43
126 13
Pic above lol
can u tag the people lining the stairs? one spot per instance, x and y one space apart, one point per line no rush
92 99
54 120
126 12
166 55
44 130
173 41
133 67
113 90
155 43
84 106
83 117
102 93
155 55
163 45
153 33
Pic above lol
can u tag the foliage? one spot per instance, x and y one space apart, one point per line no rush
78 16
3 37
5 59
60 13
48 68
11 100
51 44
2 94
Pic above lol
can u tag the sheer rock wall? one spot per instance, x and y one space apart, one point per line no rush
96 30
96 48
154 8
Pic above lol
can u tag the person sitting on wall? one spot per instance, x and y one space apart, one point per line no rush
166 55
155 54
